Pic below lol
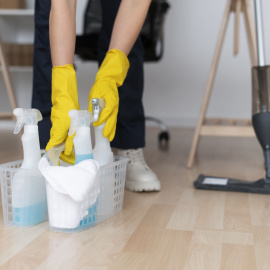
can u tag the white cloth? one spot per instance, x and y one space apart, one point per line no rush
75 181
70 191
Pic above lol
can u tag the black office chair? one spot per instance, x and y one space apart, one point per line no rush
151 35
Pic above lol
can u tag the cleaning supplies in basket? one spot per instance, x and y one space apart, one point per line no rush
29 205
70 190
102 150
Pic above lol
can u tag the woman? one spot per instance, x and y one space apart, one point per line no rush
121 24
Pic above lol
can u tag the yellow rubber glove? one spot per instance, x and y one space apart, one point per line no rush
110 76
64 99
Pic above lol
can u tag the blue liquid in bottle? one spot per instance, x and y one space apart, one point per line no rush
79 158
30 215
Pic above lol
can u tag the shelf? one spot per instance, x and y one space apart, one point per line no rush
19 68
17 12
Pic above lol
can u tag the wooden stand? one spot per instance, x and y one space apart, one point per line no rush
8 84
226 127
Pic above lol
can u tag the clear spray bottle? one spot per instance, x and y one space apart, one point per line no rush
29 204
80 123
102 150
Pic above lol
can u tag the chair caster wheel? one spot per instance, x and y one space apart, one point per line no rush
163 136
163 139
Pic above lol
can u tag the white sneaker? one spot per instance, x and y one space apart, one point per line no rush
139 176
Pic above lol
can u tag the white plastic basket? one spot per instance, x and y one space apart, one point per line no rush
109 202
17 185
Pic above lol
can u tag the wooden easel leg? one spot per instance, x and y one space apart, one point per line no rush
238 7
7 79
209 84
250 28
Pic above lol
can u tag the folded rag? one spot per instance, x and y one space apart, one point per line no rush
76 181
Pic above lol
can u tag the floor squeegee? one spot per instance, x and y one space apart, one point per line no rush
260 122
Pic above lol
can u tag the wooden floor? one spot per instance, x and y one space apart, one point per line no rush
177 228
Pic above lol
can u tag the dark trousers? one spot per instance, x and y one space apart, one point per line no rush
130 131
42 75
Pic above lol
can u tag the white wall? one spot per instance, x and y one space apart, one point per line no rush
174 87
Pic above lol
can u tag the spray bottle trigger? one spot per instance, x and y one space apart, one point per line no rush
39 116
53 154
19 125
18 112
26 117
74 119
101 104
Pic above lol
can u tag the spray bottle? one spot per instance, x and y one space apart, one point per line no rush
80 123
30 139
102 151
29 202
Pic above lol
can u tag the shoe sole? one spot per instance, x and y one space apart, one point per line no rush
142 186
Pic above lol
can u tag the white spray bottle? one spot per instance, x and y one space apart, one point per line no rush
30 139
29 202
102 150
80 123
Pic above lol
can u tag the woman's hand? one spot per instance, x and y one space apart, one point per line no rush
110 76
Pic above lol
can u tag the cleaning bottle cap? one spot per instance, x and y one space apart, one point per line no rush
26 117
81 118
98 105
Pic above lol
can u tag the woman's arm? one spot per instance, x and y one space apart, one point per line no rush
128 23
113 71
64 83
129 20
62 31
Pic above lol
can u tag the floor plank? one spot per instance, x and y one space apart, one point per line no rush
238 257
198 210
148 236
237 213
203 256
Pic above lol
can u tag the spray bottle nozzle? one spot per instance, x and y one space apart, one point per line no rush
98 105
79 119
26 117
53 154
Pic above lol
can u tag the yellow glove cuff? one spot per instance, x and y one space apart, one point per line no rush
114 67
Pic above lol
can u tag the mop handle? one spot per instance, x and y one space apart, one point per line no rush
259 32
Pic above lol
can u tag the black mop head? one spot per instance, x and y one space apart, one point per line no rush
229 184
